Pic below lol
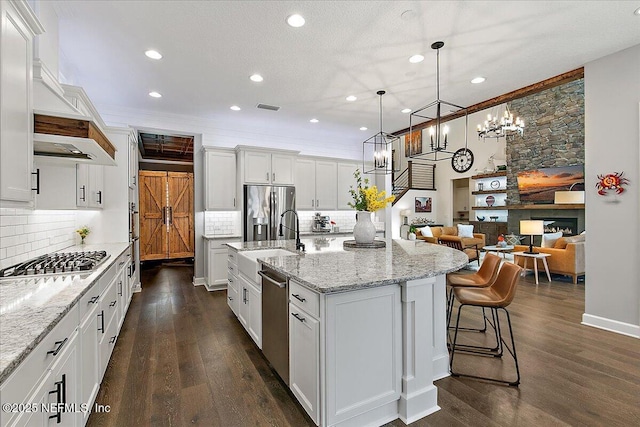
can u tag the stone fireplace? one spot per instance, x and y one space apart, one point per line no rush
568 226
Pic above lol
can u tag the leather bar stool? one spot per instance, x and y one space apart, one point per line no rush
484 277
496 297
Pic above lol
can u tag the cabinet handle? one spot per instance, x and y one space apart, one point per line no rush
244 295
317 203
134 179
61 398
170 215
59 344
267 176
234 202
120 285
298 297
101 316
93 300
297 316
230 280
113 303
99 197
37 174
230 298
312 202
273 177
84 195
112 339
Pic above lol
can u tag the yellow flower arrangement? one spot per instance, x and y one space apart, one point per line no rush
367 198
83 232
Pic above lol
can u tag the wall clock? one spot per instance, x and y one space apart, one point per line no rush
462 160
495 184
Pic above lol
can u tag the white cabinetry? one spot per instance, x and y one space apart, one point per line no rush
220 179
89 185
316 184
133 161
233 299
18 26
217 264
262 167
304 349
346 180
250 310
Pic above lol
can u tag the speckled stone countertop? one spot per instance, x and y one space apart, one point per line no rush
215 237
30 308
326 267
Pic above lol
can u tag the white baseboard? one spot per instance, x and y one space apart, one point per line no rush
215 287
611 325
199 281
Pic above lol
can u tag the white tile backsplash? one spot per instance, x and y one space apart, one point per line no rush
222 223
345 220
26 234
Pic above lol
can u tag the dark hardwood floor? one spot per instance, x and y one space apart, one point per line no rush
182 358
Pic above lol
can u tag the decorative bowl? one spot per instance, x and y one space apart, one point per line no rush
480 218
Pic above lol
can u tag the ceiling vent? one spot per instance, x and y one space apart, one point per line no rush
268 107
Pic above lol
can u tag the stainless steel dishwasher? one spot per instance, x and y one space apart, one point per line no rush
275 321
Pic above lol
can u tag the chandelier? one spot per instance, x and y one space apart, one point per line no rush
506 126
438 148
376 151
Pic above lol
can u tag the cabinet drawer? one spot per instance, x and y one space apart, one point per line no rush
232 268
109 303
91 298
18 386
304 298
233 257
233 281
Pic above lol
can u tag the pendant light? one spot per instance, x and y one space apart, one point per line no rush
439 138
377 150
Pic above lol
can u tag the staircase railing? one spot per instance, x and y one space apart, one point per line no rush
417 176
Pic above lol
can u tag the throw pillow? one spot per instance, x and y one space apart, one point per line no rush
561 243
425 231
575 239
549 239
465 231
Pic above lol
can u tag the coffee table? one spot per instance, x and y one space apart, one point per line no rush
498 249
536 256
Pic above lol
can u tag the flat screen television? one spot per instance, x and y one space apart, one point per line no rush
540 185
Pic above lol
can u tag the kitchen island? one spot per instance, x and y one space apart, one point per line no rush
367 332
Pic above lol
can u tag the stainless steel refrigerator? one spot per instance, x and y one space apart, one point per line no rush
263 208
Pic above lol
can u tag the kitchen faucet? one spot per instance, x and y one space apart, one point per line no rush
299 245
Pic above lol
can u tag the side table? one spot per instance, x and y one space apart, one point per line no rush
535 257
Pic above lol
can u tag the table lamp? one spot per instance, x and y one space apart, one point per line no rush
532 228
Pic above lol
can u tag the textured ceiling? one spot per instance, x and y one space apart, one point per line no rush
211 48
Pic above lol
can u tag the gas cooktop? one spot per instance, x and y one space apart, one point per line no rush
57 263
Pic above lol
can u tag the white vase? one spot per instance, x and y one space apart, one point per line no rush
412 236
364 231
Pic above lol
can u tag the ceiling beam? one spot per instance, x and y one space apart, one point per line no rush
567 77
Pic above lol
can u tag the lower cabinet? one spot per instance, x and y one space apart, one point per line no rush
232 294
216 266
67 366
304 360
250 308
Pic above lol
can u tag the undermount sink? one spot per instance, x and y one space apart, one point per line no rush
248 261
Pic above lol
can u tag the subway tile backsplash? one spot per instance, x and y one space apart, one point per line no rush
345 220
221 223
27 233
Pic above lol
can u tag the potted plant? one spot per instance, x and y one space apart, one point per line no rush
83 232
412 232
365 201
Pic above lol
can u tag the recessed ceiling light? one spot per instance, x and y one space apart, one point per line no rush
295 20
256 78
155 95
406 110
314 120
351 98
153 54
363 128
477 80
416 58
637 11
235 108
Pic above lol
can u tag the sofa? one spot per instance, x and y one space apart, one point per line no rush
567 256
477 239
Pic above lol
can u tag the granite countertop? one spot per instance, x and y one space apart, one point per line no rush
326 267
30 308
221 236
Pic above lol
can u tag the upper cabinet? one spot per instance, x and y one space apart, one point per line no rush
18 27
89 186
316 184
220 179
263 167
133 161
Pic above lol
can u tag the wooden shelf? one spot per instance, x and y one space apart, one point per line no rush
549 206
490 175
490 208
498 191
528 207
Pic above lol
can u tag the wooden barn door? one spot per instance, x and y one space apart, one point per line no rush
166 215
181 239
